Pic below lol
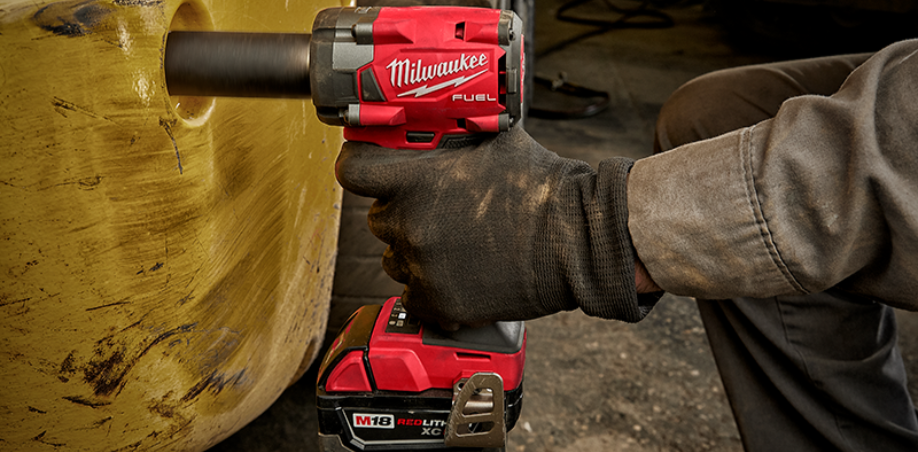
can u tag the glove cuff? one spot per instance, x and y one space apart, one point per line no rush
585 249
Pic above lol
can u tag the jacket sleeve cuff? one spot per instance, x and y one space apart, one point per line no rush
697 225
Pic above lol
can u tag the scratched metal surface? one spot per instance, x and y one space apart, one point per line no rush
165 263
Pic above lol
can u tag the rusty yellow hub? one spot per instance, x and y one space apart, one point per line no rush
165 262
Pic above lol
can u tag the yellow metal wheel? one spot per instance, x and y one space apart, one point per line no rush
165 263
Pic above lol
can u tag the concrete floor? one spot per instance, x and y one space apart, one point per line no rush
594 384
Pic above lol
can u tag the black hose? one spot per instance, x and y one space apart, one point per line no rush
626 19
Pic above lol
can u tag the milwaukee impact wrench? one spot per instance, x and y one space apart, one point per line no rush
409 78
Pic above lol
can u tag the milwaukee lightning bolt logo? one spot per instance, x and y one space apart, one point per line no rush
406 73
422 90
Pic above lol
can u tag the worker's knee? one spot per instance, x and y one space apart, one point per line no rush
714 104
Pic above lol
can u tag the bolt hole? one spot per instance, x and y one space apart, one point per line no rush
191 16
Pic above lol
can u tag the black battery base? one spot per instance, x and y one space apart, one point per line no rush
392 421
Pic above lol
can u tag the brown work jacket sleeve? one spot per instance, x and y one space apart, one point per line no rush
823 195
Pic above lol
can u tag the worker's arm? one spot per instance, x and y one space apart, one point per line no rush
825 194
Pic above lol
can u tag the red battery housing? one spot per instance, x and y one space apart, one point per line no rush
387 368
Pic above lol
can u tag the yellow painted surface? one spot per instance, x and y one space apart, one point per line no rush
165 263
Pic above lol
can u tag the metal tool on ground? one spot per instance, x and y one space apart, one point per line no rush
390 383
407 78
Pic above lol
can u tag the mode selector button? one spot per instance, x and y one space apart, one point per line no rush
401 322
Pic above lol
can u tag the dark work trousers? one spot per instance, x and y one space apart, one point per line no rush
818 372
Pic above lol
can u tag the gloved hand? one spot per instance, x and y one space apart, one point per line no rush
505 230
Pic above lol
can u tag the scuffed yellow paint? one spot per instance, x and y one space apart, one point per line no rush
165 262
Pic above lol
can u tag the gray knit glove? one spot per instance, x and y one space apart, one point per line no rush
505 230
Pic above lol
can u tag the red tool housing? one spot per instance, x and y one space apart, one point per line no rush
417 77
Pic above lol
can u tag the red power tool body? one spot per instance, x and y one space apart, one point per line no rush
417 78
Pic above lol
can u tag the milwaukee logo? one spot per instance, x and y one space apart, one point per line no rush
406 73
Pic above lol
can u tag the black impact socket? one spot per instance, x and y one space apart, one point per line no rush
207 63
